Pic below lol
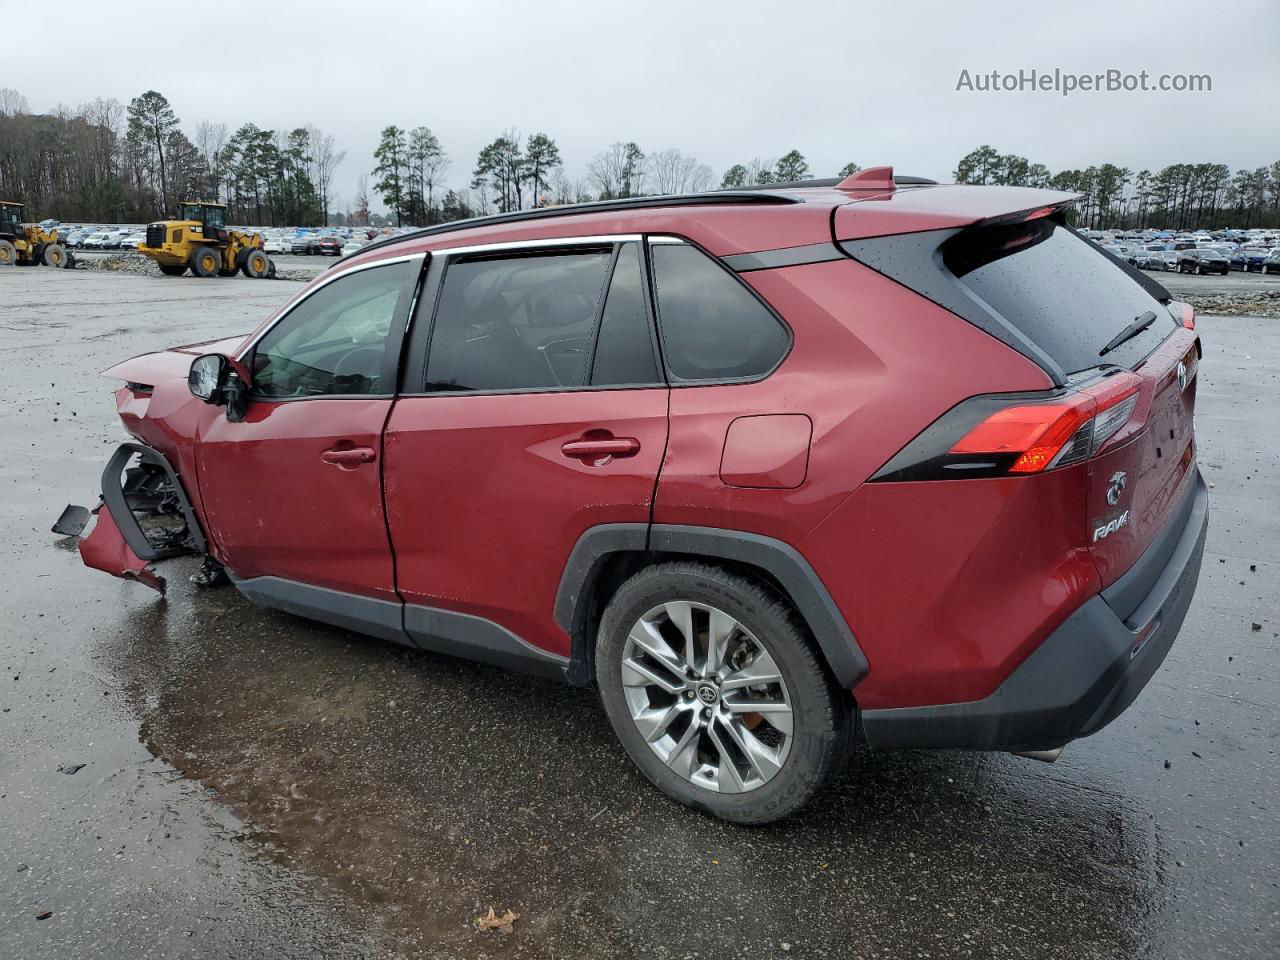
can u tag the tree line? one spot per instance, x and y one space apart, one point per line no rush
513 172
1181 196
108 161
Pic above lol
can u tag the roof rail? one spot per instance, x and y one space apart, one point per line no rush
571 209
903 180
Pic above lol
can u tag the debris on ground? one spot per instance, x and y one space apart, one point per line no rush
1261 303
491 921
70 768
145 266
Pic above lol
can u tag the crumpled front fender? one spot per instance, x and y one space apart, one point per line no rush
106 549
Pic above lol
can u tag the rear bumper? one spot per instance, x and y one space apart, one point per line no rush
1087 672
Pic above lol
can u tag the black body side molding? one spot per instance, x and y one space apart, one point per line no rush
475 638
425 628
383 619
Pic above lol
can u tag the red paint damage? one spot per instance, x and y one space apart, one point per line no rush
105 549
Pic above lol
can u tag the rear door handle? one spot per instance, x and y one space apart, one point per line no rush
601 448
349 456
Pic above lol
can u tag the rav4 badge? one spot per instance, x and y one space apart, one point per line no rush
1111 527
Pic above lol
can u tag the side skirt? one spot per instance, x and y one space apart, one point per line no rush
424 628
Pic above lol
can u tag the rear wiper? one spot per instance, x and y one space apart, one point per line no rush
1140 323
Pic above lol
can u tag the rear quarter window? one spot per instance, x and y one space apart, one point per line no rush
713 327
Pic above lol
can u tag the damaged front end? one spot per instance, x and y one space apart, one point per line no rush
144 516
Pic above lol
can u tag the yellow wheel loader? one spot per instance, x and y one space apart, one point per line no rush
199 241
28 244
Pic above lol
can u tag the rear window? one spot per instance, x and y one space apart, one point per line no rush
1036 286
1057 290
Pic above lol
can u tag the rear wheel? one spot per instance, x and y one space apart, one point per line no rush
256 264
8 254
173 270
205 262
714 689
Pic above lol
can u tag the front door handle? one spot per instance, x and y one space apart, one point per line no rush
600 449
349 456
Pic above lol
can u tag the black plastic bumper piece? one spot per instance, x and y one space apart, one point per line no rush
116 499
1087 672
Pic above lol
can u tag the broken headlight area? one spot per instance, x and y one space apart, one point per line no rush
144 516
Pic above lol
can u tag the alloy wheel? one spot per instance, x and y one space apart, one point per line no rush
707 697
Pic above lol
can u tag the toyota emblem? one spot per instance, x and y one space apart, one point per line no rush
1117 487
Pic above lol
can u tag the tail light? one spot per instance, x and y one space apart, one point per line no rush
1016 435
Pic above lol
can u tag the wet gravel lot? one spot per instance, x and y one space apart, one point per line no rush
253 784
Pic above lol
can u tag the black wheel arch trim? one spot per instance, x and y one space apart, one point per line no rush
113 496
779 560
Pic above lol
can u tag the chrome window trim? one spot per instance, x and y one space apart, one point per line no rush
307 292
540 243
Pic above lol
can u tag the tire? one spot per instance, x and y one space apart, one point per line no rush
206 261
8 254
707 766
256 264
55 255
173 270
1199 269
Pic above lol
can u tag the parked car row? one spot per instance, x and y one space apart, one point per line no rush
1195 254
83 238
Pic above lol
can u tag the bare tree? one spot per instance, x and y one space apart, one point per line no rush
211 141
360 213
12 103
761 171
605 170
561 188
326 160
670 171
619 171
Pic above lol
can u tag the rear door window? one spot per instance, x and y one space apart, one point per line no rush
517 322
713 327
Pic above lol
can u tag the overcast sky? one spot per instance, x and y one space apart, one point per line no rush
873 83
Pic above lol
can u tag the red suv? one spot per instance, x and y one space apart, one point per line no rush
766 467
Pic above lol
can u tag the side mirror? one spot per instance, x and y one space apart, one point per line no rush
207 376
